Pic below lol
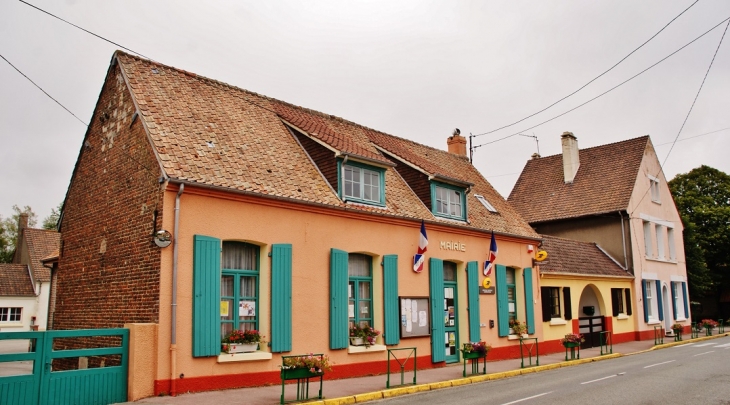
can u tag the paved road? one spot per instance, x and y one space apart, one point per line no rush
691 373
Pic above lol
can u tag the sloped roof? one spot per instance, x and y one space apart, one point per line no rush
41 243
211 133
604 182
15 281
566 256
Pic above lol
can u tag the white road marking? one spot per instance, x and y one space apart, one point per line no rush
725 345
705 344
684 345
659 364
592 381
711 351
525 399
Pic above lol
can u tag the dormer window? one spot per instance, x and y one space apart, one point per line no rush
485 203
448 201
362 183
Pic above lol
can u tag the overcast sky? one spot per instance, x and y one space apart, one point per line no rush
414 69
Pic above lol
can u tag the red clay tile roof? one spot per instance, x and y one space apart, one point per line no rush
254 152
604 182
41 243
15 281
566 256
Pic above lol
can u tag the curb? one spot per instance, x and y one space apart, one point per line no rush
680 343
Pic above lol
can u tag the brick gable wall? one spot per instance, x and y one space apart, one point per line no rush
109 268
322 157
418 181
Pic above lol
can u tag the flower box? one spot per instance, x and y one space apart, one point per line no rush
357 341
473 355
240 347
298 373
569 345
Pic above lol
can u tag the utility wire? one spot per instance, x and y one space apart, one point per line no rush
661 167
609 90
692 137
592 80
44 92
83 29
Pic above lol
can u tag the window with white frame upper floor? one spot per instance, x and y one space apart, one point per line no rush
448 201
648 245
363 183
659 241
654 189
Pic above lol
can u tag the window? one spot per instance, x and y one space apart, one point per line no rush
550 297
363 184
10 314
554 297
654 186
670 241
448 201
649 304
617 301
239 287
679 300
360 309
648 246
660 241
511 295
485 203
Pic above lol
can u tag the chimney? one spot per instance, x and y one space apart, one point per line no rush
536 156
457 143
571 162
22 224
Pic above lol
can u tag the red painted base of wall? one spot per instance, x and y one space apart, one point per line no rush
220 382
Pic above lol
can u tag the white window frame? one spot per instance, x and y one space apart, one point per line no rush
11 314
654 189
670 242
448 203
648 245
358 181
660 243
485 203
650 299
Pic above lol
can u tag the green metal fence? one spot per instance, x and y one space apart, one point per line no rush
35 381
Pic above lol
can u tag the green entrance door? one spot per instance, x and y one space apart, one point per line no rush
451 321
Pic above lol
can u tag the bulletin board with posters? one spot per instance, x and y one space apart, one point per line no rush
415 319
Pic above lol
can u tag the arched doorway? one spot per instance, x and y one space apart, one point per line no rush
590 319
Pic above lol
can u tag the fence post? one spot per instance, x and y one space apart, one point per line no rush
414 353
606 342
658 335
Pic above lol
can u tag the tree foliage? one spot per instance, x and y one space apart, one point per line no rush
51 221
703 199
9 231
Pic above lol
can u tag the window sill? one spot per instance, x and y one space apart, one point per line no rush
622 317
656 259
11 324
253 356
365 349
654 322
558 321
515 337
680 319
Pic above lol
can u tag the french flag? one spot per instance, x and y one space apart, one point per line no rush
419 259
491 257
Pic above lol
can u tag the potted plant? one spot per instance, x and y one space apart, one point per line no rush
677 328
709 324
241 341
518 328
475 350
572 340
304 366
363 335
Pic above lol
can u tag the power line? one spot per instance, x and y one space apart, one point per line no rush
661 167
592 80
83 29
692 137
609 90
44 92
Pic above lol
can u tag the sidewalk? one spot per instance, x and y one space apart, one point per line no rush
362 389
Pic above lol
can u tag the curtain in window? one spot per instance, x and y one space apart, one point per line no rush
239 256
358 265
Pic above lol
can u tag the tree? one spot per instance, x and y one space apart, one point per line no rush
9 232
703 200
51 221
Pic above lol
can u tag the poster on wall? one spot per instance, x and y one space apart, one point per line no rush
247 308
414 317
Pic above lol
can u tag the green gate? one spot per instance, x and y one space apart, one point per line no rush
41 384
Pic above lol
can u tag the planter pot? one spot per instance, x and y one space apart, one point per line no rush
357 341
473 355
241 347
298 373
569 345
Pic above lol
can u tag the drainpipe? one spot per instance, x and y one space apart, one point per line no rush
173 323
623 241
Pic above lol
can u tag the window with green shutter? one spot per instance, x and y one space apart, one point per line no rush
529 300
360 287
391 332
472 280
206 296
239 287
281 298
339 334
503 312
436 289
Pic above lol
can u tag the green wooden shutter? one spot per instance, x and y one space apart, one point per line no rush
659 302
545 298
438 338
206 296
646 307
472 285
567 304
684 294
502 303
674 302
628 301
529 300
281 296
391 334
339 333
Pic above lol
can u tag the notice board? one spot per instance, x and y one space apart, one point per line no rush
415 319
